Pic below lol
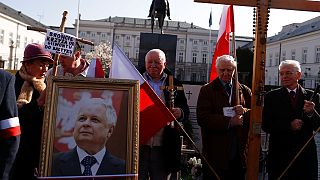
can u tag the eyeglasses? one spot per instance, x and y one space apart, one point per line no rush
287 73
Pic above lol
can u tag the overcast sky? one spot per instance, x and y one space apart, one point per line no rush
49 12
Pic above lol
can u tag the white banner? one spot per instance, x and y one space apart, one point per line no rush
59 43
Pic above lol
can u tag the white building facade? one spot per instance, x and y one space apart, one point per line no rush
14 36
301 42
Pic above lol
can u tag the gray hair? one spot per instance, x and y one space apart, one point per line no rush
159 51
107 104
289 62
226 58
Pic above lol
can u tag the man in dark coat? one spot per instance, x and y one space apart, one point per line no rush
9 124
30 82
224 123
96 120
160 156
290 120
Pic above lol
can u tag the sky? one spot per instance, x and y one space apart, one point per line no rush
49 12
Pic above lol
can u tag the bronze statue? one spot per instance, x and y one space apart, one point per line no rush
159 9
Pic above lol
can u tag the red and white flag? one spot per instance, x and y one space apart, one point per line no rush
223 41
154 115
95 69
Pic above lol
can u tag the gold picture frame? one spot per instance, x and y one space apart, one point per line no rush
63 97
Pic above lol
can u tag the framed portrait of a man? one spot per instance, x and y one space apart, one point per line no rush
90 128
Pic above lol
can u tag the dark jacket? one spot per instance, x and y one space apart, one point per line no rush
171 136
215 129
9 133
68 164
31 118
285 143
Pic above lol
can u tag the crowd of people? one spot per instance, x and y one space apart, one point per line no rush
290 116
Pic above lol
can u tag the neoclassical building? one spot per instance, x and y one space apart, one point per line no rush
298 41
14 36
193 49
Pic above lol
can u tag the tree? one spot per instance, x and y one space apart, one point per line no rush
103 51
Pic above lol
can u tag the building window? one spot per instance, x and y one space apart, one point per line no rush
1 36
276 59
137 54
10 38
304 55
180 57
194 57
18 41
204 57
293 54
283 56
270 60
194 77
83 34
318 54
25 42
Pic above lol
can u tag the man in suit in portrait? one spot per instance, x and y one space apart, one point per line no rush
96 120
290 119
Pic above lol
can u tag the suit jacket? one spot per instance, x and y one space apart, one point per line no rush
68 164
215 130
284 143
9 139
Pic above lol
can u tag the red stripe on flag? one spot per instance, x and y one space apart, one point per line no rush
10 132
99 73
154 115
223 43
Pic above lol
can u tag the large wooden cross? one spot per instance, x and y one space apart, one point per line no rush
263 7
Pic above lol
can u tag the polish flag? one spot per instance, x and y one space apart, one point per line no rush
154 115
95 69
223 42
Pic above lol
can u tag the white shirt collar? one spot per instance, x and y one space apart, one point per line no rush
99 155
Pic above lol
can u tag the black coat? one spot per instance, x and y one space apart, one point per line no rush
9 133
285 143
68 164
31 119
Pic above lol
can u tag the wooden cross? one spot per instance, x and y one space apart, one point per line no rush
189 94
172 89
262 17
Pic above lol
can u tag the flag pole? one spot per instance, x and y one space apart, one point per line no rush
210 55
78 19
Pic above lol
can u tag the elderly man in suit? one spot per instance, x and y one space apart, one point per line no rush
94 126
224 122
290 119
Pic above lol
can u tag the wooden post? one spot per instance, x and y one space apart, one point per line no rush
259 66
56 57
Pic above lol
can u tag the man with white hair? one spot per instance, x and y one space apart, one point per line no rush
95 123
224 122
290 119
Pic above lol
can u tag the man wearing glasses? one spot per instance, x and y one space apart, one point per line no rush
290 117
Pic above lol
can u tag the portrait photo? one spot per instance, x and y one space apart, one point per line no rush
90 128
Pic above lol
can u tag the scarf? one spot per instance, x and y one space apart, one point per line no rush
30 83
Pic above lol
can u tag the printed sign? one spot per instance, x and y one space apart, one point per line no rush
59 43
